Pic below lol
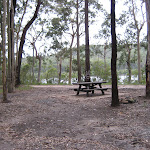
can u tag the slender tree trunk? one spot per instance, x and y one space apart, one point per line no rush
148 50
39 71
1 33
18 68
4 52
139 57
105 58
129 63
87 50
78 45
33 67
9 47
12 46
59 74
115 99
70 66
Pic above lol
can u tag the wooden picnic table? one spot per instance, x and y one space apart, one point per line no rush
89 87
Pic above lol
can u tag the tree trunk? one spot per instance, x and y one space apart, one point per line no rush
4 52
129 69
39 71
18 68
105 57
129 63
59 74
1 33
148 50
9 48
115 99
33 67
78 45
70 66
87 50
139 57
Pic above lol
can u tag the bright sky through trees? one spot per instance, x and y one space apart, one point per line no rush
96 26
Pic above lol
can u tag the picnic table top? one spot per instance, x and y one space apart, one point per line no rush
86 83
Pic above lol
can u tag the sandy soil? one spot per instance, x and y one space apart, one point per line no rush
54 117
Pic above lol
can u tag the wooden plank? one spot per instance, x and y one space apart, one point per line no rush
101 89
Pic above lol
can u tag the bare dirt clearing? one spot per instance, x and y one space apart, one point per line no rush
54 117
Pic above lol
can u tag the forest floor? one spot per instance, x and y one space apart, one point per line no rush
54 117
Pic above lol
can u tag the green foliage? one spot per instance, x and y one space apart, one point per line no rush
98 69
25 74
50 74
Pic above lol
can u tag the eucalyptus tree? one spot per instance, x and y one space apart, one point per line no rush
4 5
137 24
0 32
11 5
147 2
126 43
115 99
22 41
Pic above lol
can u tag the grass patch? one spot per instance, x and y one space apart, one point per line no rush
24 87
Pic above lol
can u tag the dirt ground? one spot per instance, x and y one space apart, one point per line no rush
54 117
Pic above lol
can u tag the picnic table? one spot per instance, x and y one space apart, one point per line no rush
89 87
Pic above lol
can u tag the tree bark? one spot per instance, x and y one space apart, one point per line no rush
18 68
78 45
129 63
87 50
139 56
148 50
39 71
4 52
59 74
9 48
11 59
70 66
115 99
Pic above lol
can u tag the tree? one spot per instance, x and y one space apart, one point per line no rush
138 26
11 59
78 44
4 52
115 99
22 41
87 50
147 2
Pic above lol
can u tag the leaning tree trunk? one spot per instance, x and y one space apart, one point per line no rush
4 52
22 41
115 99
148 50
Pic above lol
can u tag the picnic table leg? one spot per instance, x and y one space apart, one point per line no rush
101 87
78 90
87 93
